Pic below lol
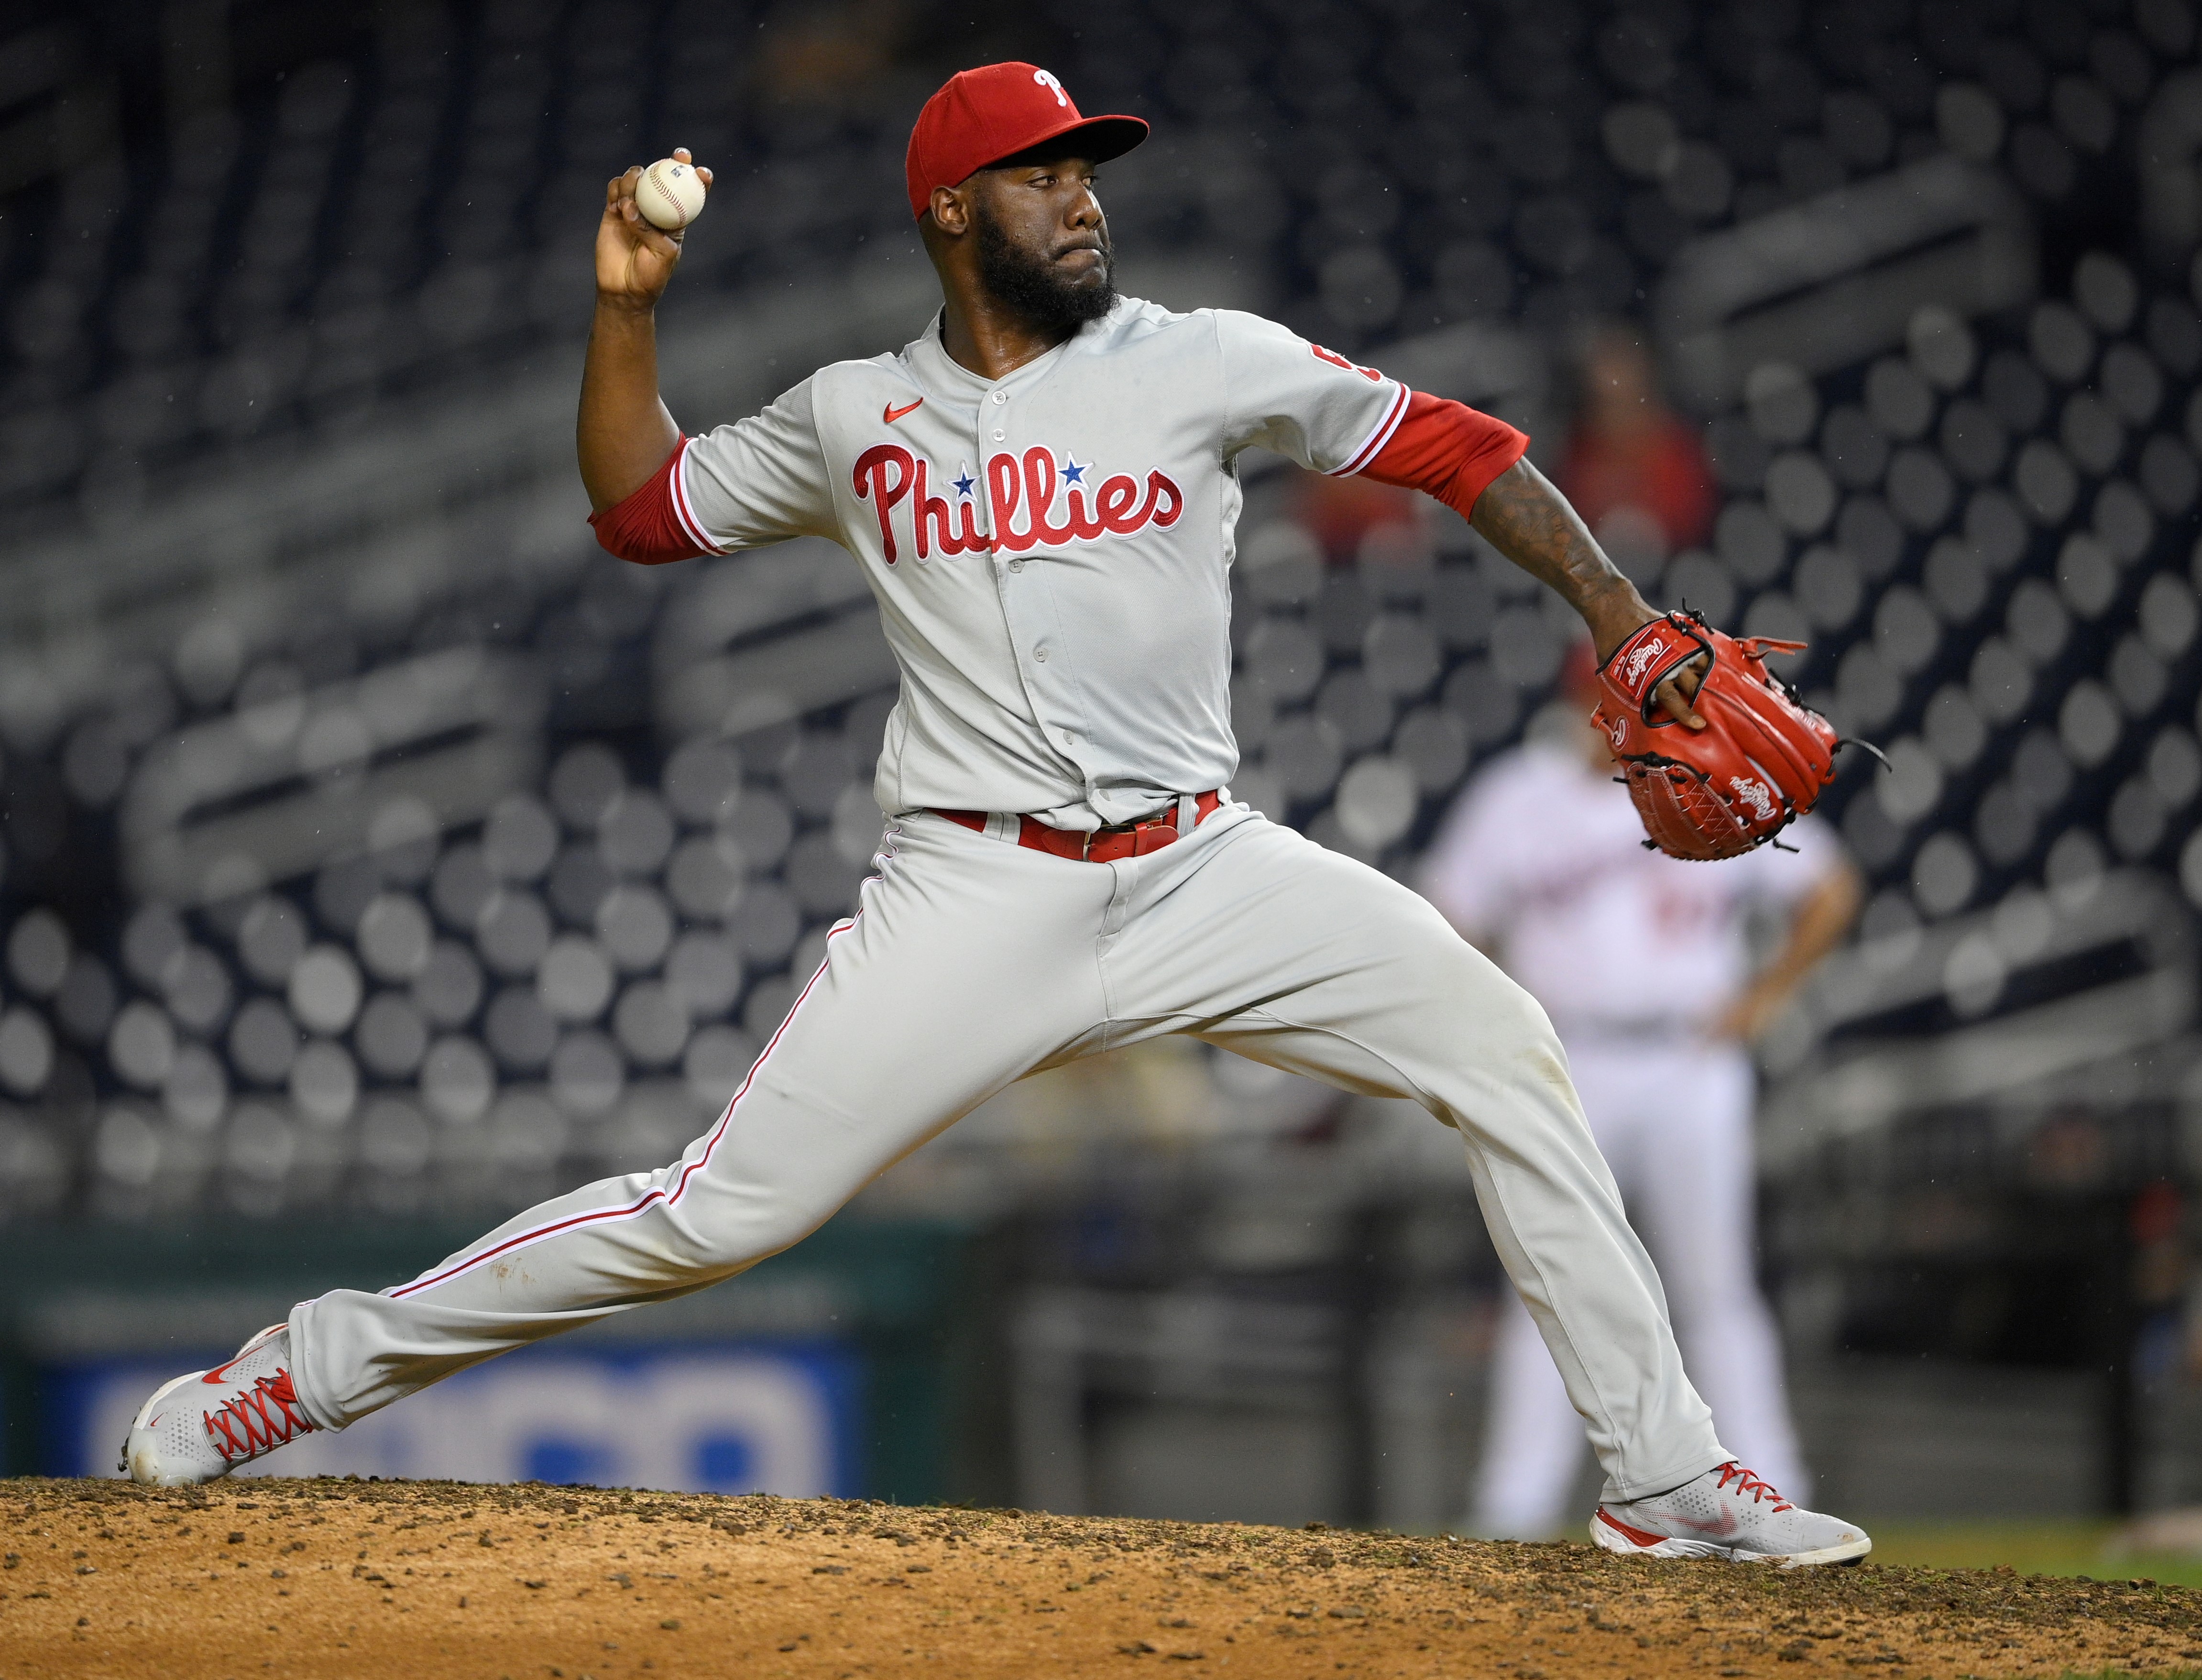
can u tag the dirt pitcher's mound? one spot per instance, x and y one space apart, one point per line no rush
412 1581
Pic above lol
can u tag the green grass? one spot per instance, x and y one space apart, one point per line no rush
2038 1547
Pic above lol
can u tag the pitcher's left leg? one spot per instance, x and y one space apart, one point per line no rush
1275 948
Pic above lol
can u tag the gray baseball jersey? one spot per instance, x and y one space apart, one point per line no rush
1051 551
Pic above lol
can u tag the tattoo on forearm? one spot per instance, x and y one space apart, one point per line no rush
1524 517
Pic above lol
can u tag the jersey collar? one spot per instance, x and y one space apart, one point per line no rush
942 374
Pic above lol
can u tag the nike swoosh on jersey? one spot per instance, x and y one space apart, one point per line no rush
891 413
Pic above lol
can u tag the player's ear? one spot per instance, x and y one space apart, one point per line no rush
951 211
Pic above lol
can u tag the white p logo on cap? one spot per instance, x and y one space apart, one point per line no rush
1048 81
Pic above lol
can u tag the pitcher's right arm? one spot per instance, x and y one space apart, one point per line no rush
625 432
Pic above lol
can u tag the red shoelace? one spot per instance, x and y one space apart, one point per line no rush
1745 1482
258 1420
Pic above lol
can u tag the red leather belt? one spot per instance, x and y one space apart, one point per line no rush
1104 845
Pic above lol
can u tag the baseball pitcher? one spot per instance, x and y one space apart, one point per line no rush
1040 489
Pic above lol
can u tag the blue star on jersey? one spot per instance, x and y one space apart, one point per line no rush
963 481
1071 472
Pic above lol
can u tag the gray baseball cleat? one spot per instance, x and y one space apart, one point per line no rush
205 1424
1726 1512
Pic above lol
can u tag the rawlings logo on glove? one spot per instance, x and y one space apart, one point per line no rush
1760 762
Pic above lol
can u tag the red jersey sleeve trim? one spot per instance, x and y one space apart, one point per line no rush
1447 450
656 524
685 508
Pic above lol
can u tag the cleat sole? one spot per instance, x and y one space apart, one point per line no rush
1630 1542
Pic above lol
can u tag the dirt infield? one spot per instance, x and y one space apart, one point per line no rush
380 1581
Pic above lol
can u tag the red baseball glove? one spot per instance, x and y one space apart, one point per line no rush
1761 761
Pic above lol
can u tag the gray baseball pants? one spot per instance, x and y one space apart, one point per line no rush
972 961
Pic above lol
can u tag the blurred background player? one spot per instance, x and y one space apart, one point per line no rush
1644 965
1635 469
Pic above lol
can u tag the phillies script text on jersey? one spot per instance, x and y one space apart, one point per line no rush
887 475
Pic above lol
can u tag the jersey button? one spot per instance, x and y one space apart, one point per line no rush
1000 396
1016 565
999 434
1041 654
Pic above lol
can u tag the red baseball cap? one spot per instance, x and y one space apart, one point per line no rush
998 110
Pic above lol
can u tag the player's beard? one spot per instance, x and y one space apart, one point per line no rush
1034 287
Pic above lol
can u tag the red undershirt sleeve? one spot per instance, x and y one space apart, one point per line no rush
647 528
1447 450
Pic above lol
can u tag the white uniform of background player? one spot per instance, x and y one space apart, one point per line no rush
1637 958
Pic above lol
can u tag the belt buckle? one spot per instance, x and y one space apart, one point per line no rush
1166 817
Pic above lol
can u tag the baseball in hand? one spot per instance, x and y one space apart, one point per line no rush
669 195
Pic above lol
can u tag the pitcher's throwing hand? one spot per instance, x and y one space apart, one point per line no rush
635 255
